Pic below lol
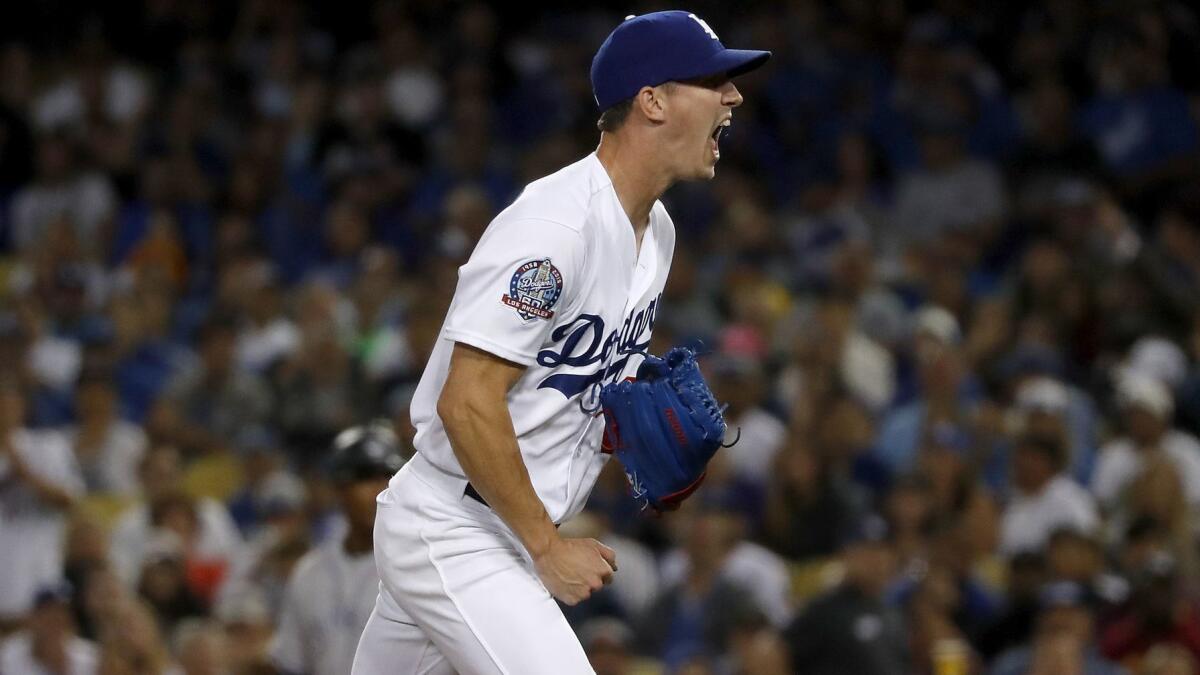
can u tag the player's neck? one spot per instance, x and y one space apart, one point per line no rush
635 175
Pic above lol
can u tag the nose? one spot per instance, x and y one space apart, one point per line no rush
730 95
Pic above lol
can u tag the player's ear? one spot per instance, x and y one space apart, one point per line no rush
652 102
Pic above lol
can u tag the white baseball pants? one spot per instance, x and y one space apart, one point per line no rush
457 592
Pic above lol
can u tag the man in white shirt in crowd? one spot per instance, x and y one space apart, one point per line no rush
333 588
1147 406
49 645
738 383
39 480
1044 498
712 529
161 473
108 448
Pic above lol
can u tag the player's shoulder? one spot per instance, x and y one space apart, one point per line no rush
563 197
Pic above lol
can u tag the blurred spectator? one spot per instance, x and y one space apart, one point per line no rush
248 627
318 384
810 502
757 648
1139 122
103 596
146 358
132 643
715 535
337 584
608 643
1079 556
1168 660
1157 496
944 389
379 302
1170 261
955 492
202 648
1052 151
217 401
1048 406
163 582
911 517
851 629
62 188
951 190
707 588
1146 405
1014 626
49 643
266 481
1063 641
737 383
694 315
267 335
1158 613
208 533
39 481
160 251
945 593
1044 499
85 548
108 448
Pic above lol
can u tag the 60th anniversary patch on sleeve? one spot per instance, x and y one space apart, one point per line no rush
534 289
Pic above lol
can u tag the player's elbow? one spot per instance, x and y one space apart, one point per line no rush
475 389
449 405
458 403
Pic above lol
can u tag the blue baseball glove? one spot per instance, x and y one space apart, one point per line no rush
663 427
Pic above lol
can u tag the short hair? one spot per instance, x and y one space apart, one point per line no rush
612 119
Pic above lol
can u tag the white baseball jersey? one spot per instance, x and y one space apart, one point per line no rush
556 284
328 599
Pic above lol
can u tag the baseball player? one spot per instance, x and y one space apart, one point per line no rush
332 590
557 300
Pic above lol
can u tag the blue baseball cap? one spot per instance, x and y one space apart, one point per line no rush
648 50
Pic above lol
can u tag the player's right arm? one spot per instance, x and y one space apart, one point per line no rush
474 411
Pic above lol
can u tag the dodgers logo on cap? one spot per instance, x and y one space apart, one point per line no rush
648 50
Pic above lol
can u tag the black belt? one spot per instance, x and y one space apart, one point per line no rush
471 492
474 494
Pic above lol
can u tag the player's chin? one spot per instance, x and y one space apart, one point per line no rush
706 169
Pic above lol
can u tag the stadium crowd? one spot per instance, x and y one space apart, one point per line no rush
947 279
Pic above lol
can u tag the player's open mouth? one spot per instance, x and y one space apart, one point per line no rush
717 132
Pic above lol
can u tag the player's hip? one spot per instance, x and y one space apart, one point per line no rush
424 502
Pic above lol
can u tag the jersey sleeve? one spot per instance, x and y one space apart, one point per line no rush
520 277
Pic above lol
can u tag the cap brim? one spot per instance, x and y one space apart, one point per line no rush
730 63
733 62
